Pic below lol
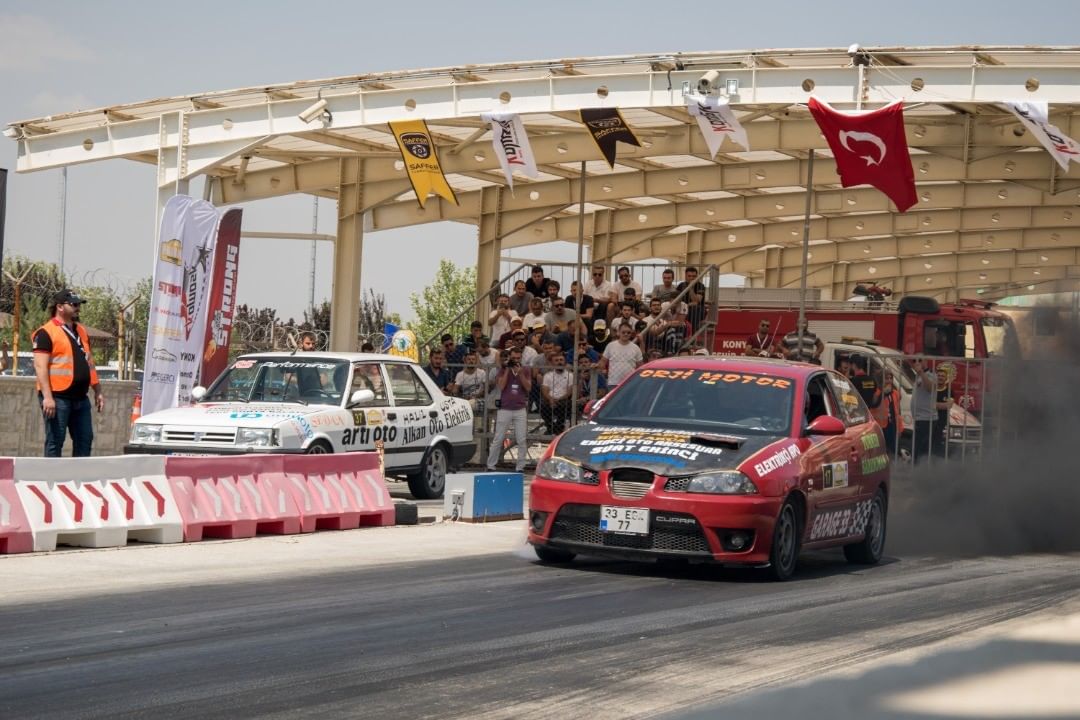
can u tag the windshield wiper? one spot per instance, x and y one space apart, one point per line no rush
717 439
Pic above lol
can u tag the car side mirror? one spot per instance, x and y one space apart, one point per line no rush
586 411
198 393
826 425
360 397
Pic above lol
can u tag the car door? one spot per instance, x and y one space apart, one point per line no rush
828 461
369 419
410 415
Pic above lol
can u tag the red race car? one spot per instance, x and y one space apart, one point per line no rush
735 461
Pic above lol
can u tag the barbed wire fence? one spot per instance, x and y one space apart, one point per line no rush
249 337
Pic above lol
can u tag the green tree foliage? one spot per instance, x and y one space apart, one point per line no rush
441 302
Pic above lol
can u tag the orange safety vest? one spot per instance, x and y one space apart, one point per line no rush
881 412
62 357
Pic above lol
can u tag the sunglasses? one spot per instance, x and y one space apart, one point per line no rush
599 274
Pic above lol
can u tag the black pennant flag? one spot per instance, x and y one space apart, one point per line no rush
607 127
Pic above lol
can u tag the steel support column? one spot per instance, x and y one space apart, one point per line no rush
488 246
348 254
171 168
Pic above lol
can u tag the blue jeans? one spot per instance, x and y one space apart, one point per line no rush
72 416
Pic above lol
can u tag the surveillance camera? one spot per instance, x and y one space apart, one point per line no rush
314 111
707 81
854 49
11 132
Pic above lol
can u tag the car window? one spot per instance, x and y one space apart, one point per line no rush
819 400
851 407
285 379
408 389
368 376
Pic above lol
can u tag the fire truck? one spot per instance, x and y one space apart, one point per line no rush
964 334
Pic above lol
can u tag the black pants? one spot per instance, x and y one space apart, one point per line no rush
555 415
928 436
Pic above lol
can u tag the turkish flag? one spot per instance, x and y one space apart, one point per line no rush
870 148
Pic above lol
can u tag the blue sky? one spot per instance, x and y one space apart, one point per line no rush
62 56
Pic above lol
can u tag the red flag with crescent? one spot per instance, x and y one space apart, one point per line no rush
870 148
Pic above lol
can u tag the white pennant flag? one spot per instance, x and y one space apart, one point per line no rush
1035 115
511 145
717 121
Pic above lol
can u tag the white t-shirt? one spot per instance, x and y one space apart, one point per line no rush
618 322
622 361
528 355
620 289
472 385
558 384
531 319
490 359
601 292
501 326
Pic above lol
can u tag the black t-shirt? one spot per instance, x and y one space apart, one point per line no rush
540 291
80 381
586 304
698 289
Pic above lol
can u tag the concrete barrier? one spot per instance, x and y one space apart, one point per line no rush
339 492
15 534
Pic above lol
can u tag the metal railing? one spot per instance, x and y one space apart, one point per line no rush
461 315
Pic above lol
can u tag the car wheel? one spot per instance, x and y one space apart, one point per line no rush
319 447
551 555
785 542
872 546
429 483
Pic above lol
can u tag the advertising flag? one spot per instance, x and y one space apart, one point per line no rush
1035 116
870 148
716 121
421 160
607 127
511 145
221 302
178 303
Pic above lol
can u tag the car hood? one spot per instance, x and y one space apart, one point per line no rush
233 414
660 451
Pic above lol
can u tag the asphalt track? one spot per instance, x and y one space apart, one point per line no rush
493 635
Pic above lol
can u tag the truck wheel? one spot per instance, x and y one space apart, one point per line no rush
429 483
551 555
872 546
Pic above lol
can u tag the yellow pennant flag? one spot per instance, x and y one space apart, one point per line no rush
421 160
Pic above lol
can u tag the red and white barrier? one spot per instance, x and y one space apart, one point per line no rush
96 502
15 534
339 492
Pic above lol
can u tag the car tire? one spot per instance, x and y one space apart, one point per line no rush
429 483
552 555
786 542
319 447
870 549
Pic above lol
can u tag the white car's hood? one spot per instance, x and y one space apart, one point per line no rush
256 415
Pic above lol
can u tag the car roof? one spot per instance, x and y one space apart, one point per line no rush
734 363
347 356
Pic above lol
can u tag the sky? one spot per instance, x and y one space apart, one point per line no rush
58 57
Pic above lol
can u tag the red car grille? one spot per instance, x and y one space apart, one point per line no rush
580 524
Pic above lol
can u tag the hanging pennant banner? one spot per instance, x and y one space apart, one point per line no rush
511 145
716 121
1035 115
607 127
221 304
421 160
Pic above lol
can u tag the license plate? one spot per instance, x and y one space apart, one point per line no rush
190 454
624 520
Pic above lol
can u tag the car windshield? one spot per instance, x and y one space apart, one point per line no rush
282 380
702 401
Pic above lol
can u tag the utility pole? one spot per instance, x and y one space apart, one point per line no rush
314 256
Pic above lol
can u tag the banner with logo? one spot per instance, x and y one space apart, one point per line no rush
511 145
178 304
221 303
1035 116
716 120
421 160
607 127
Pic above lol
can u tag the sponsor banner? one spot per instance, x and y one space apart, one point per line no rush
834 475
607 127
1035 116
716 121
178 303
221 303
511 145
421 160
403 344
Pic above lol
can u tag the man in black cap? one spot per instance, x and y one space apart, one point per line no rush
65 372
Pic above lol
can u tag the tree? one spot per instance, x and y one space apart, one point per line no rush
442 306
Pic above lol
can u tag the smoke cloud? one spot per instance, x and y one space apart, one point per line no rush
1023 496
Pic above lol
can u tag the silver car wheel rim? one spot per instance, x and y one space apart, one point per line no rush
786 539
877 528
436 469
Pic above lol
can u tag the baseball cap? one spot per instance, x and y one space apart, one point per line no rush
66 296
538 324
600 325
515 319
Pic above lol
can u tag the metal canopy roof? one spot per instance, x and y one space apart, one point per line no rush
996 215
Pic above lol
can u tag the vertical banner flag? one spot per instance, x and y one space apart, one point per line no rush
871 148
221 303
1035 116
716 121
178 304
511 145
421 160
607 127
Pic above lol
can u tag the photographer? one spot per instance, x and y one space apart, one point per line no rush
512 385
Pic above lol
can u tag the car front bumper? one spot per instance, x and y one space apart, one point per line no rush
135 449
682 525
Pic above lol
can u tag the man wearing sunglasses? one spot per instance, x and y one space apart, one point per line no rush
762 343
65 373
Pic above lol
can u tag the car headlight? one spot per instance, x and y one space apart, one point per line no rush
256 437
141 433
727 482
557 468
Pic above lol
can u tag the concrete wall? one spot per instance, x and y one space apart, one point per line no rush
22 430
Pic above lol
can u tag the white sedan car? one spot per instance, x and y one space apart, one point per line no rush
321 403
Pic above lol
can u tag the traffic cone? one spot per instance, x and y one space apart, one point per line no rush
136 409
